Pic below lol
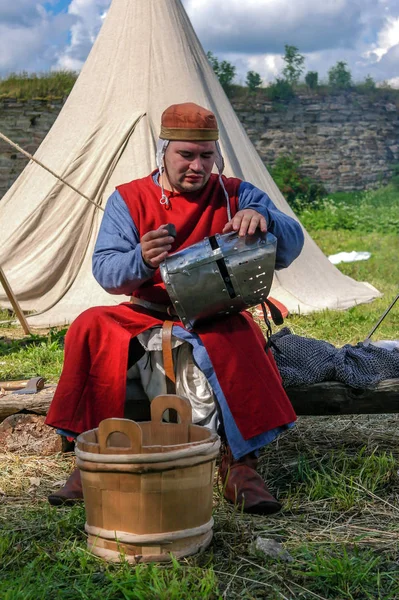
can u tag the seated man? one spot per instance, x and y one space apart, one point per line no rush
228 374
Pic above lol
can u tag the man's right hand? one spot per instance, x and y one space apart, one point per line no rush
155 246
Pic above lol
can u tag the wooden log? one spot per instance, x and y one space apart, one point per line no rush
37 403
317 399
334 398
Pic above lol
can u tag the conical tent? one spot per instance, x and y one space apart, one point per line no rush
145 58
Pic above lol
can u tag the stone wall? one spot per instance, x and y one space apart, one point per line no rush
26 124
347 141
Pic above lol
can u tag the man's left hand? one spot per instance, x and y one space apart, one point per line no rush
245 222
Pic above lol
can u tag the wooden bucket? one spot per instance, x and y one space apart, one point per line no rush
148 486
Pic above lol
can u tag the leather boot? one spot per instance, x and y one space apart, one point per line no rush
244 487
70 493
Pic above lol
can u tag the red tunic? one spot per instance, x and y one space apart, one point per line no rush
93 382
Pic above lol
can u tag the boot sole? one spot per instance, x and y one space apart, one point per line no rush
60 501
264 508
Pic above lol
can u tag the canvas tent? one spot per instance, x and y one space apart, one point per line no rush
145 58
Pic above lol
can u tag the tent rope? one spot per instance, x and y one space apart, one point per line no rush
25 153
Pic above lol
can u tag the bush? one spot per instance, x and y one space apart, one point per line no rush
281 90
372 211
369 83
298 190
395 176
312 79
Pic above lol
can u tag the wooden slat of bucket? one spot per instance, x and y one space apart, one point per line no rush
186 500
93 484
87 441
119 436
197 433
166 434
162 403
164 437
88 447
121 501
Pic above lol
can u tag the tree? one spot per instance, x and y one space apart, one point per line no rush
224 70
312 79
253 80
293 64
212 59
340 77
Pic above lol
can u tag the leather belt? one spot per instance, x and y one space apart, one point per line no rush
168 365
161 308
168 357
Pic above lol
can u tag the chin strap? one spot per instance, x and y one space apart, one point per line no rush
277 319
160 155
219 162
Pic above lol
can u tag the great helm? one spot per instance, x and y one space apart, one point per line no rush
221 275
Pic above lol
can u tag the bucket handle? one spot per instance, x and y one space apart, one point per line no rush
165 401
130 430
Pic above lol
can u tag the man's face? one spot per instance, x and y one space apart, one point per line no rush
188 165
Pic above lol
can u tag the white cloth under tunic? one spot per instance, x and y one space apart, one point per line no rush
190 380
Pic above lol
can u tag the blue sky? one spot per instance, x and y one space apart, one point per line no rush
56 7
39 35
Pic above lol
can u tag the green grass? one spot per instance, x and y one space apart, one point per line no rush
355 573
25 86
342 478
43 556
32 356
381 271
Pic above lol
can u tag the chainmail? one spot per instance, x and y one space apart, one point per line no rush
302 361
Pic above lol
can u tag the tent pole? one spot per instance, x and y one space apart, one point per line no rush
14 302
25 153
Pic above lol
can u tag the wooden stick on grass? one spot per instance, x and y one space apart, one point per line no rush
14 302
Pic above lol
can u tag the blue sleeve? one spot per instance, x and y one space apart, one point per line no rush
117 261
287 230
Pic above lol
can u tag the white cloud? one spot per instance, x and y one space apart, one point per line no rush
29 36
89 18
265 26
388 36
